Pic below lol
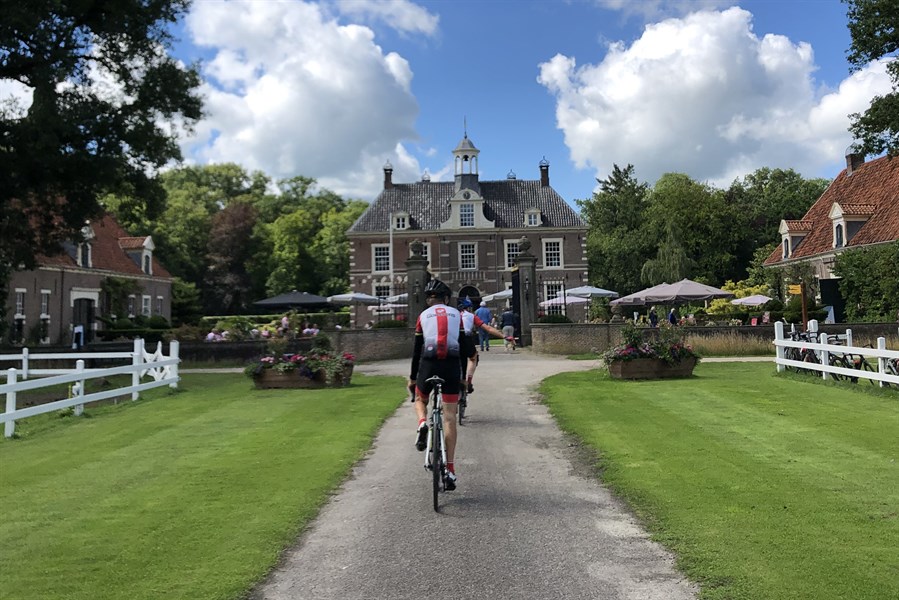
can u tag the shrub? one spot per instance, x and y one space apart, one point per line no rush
389 324
157 322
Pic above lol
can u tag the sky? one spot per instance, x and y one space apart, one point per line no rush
334 89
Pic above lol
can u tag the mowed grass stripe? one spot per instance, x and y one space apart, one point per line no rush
190 495
766 487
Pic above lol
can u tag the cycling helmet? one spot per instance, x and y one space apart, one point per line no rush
465 302
437 288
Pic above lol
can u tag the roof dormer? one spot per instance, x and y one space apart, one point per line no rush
847 219
533 217
792 233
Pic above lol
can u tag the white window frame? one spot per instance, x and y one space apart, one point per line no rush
400 221
84 257
147 262
20 303
45 304
159 300
374 258
546 263
839 241
474 256
532 218
785 247
511 255
552 289
146 305
464 209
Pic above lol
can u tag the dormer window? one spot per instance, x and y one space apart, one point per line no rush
786 248
148 263
791 234
532 218
400 221
83 257
847 220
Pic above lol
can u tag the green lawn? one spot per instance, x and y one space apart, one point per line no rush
766 487
180 495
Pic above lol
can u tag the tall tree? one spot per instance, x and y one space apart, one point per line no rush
874 28
230 250
869 283
616 248
107 103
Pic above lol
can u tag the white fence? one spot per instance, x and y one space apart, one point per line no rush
823 348
162 369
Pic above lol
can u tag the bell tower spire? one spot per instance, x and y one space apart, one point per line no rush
466 163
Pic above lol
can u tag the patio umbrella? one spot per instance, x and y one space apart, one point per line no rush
354 298
398 298
388 306
501 295
564 300
588 291
754 300
294 299
681 292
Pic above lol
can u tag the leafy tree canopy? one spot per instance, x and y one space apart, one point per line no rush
869 283
874 28
104 91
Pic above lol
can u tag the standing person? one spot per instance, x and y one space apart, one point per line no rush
485 315
440 342
470 323
653 317
507 322
673 317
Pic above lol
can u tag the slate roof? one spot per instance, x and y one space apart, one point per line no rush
108 252
505 203
871 189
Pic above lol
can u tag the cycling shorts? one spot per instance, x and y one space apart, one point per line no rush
448 369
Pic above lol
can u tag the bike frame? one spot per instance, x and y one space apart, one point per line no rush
436 423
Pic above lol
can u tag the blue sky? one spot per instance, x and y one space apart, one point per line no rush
333 90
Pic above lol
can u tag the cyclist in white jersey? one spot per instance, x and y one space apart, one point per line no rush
440 344
472 324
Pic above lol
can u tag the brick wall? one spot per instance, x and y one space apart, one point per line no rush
374 344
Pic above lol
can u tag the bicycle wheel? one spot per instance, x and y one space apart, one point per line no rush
436 461
864 365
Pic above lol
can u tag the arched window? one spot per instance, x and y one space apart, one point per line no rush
838 236
786 252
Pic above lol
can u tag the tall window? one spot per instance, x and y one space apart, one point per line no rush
786 248
426 251
158 305
45 302
552 253
838 236
148 264
467 259
131 301
553 290
20 301
512 253
466 215
381 253
84 255
145 305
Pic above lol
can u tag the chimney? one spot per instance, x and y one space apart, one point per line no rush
544 172
854 161
388 176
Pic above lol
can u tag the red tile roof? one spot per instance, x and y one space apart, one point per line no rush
872 189
800 225
108 251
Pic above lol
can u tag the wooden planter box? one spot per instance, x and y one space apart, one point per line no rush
271 379
651 368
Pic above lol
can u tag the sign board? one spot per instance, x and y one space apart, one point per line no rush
795 289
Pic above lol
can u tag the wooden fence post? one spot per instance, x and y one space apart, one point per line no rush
79 390
881 360
9 427
137 357
825 356
779 337
24 364
174 349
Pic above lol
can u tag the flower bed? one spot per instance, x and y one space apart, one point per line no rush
665 356
319 367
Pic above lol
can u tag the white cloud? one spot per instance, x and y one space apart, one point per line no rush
291 91
655 9
402 15
704 95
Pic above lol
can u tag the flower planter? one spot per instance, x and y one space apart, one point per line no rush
651 368
270 379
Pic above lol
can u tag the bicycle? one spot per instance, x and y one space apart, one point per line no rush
435 451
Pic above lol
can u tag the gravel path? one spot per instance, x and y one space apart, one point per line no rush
528 520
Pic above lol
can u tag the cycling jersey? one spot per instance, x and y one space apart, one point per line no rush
471 321
440 326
